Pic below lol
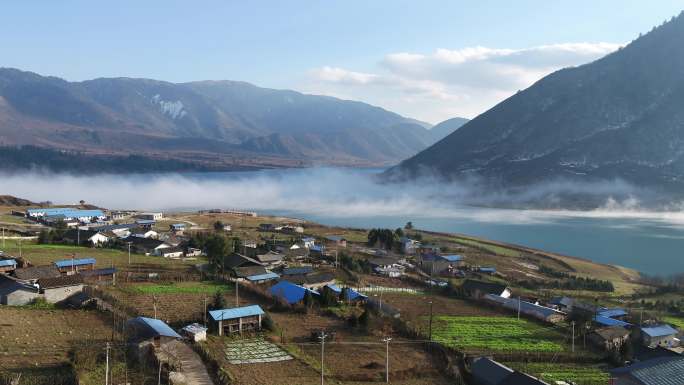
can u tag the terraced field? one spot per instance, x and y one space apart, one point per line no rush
503 334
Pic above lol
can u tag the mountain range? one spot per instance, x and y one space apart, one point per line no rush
619 117
225 124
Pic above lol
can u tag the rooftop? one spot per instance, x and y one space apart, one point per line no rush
8 262
657 371
236 312
263 277
289 292
62 281
659 331
75 262
155 327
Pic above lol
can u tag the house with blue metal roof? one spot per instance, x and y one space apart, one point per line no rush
238 319
607 321
262 278
66 213
7 265
75 265
145 330
612 313
659 335
290 293
351 295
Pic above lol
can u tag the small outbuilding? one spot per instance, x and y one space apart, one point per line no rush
238 320
59 289
150 330
289 292
610 338
195 332
8 265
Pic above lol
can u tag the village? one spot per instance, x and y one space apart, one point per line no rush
221 297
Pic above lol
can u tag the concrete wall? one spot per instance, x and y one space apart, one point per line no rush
19 298
61 293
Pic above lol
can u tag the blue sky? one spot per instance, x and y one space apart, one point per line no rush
425 59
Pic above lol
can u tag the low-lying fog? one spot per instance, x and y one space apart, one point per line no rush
617 229
336 193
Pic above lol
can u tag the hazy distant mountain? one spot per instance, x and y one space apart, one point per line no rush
445 128
208 121
619 117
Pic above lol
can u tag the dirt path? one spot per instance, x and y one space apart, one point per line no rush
192 367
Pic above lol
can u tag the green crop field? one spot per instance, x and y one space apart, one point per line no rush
495 334
677 322
203 287
581 375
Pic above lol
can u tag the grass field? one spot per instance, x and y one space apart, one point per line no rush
581 375
495 334
204 287
47 254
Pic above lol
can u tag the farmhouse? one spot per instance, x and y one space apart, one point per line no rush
177 228
562 303
337 240
150 216
242 266
15 293
270 259
660 335
237 320
7 265
171 252
656 371
59 289
610 338
309 242
145 330
66 213
73 266
438 264
387 266
146 246
79 237
121 230
290 229
262 278
313 280
267 227
289 292
144 232
409 246
193 252
349 294
290 271
543 313
478 289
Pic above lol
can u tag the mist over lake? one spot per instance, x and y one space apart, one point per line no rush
619 231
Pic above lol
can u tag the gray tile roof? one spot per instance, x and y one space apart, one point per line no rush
489 372
658 371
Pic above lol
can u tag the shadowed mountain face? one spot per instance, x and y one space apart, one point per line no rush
220 121
618 117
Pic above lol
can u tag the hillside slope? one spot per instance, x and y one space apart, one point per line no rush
617 117
222 120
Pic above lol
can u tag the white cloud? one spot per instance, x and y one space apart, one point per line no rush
448 83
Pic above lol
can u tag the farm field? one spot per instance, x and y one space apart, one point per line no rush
176 303
32 338
581 375
677 322
502 334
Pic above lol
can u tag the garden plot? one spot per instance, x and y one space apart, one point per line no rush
254 351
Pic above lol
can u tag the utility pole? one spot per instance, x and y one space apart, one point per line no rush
573 336
387 340
518 307
3 237
322 338
641 316
205 311
78 236
129 252
107 366
19 247
430 324
335 259
237 293
159 375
